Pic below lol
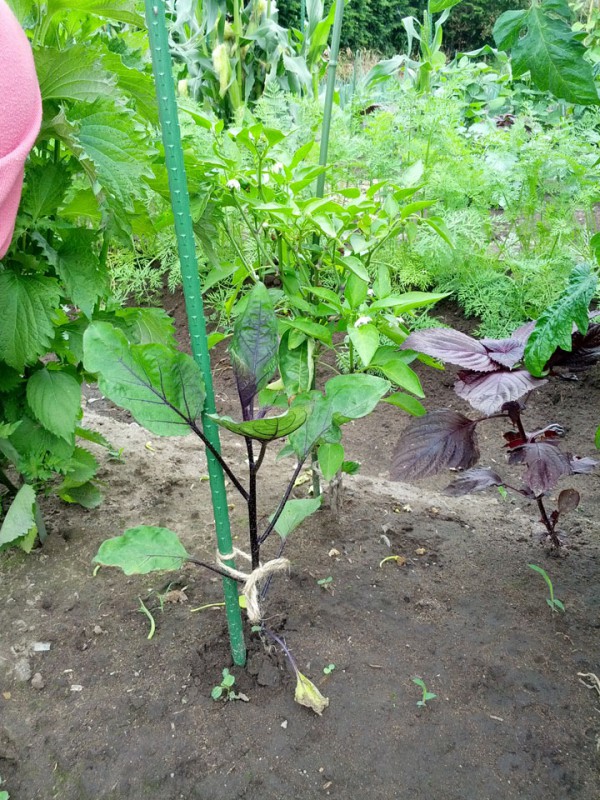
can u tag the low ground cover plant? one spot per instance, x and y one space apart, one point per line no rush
494 381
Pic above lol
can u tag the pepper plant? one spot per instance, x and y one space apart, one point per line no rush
163 390
319 254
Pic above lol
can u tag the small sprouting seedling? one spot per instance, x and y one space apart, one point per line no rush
325 582
115 454
554 603
328 669
224 691
426 696
145 610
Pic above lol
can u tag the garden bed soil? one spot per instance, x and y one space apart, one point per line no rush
107 714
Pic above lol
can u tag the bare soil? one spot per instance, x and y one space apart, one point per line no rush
113 715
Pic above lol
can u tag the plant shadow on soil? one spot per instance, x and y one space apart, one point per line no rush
119 717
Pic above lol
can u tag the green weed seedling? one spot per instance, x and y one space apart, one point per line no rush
426 696
224 690
328 669
554 603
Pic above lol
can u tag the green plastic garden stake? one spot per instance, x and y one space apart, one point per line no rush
180 201
334 51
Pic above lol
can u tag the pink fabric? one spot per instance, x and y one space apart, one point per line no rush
20 117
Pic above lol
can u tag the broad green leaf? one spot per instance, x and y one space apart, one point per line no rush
118 10
266 429
331 458
87 495
310 328
46 187
54 396
296 366
355 396
254 345
19 521
27 306
74 73
355 291
407 403
398 371
9 378
8 428
435 6
294 513
113 149
555 325
541 42
81 468
143 549
319 425
79 268
161 387
148 326
93 436
135 84
365 340
408 301
597 438
355 265
34 442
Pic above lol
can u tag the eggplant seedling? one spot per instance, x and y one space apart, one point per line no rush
426 695
164 391
554 603
224 690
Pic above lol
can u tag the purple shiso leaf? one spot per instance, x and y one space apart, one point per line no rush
474 480
582 466
524 332
451 346
435 442
568 500
545 463
506 352
552 431
488 393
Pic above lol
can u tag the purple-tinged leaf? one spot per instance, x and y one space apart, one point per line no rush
254 347
488 393
506 352
568 500
474 480
546 465
524 332
584 354
435 442
451 346
582 466
552 431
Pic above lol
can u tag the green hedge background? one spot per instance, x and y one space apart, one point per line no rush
377 24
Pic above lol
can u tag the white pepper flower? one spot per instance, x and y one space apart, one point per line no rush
233 184
363 321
